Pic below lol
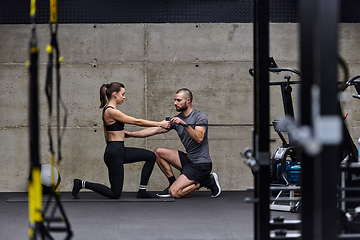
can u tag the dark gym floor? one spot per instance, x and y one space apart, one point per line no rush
197 216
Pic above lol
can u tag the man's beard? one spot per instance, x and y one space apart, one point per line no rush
182 109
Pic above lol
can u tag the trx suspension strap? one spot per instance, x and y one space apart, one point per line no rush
215 124
35 188
53 211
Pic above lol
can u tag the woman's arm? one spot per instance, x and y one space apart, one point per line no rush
146 132
119 116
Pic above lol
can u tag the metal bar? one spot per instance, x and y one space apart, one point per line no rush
285 199
289 188
278 70
349 188
279 83
287 224
286 91
326 164
349 199
261 119
307 10
349 236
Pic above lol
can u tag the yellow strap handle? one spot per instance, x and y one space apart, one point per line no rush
53 11
35 199
32 8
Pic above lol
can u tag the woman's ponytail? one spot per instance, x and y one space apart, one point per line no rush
106 90
103 100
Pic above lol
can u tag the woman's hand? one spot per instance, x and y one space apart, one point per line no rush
128 134
164 124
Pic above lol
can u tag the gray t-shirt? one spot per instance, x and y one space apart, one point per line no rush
196 152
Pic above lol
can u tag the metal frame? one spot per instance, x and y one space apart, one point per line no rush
261 119
321 19
307 14
318 40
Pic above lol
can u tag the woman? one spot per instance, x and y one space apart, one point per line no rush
116 154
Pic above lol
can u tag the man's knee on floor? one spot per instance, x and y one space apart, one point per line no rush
175 193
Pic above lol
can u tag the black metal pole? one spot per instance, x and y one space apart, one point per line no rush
327 163
261 119
307 29
33 106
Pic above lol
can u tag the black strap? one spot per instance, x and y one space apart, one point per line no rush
104 112
54 48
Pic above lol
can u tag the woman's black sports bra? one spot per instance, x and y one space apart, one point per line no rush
116 126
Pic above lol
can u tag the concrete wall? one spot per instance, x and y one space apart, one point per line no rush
153 61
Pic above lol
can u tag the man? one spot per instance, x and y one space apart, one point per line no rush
195 165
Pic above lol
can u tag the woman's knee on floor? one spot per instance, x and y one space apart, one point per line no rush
115 196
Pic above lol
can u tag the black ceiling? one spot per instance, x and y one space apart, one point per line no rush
160 11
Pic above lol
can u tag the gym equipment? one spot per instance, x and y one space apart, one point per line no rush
349 197
217 124
36 225
284 165
268 194
50 176
40 219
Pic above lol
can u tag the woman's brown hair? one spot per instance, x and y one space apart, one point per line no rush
106 90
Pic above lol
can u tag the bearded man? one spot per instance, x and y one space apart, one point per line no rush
195 165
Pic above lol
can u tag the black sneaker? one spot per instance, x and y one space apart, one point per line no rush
165 193
145 194
214 186
76 188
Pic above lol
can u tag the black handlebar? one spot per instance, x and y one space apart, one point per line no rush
350 82
277 70
356 96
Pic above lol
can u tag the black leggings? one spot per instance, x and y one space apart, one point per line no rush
115 156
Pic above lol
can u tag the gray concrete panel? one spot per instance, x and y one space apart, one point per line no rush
14 43
192 42
349 38
80 92
81 87
284 42
78 43
103 42
223 91
15 159
14 96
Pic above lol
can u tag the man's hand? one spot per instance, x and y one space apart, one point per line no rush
178 120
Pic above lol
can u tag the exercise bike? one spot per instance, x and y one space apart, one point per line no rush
349 186
284 166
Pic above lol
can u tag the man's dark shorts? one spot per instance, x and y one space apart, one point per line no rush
197 172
